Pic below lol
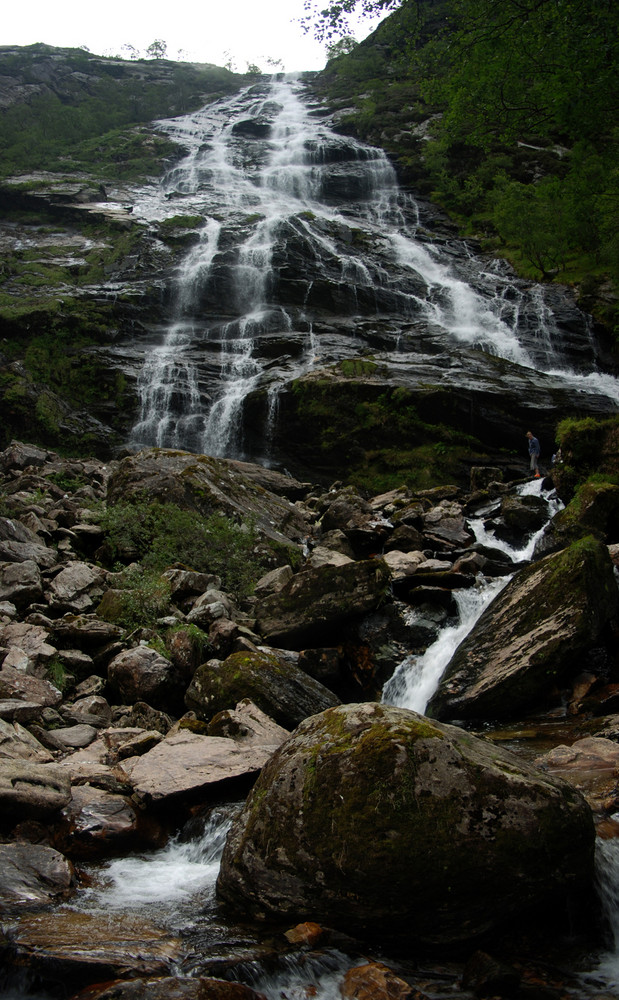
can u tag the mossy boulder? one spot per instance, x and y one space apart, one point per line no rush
594 510
210 485
373 818
277 687
532 635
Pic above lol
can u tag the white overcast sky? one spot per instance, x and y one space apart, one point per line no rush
247 31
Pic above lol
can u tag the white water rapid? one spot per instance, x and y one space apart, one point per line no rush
307 246
175 888
417 677
182 872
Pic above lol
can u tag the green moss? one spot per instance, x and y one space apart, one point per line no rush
335 420
182 222
56 673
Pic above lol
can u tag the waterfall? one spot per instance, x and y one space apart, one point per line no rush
309 249
417 677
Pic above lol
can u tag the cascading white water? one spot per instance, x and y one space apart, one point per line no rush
164 879
272 181
177 884
417 678
171 413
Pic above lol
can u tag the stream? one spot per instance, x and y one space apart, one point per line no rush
288 207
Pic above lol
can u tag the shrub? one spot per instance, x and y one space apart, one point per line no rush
141 597
162 534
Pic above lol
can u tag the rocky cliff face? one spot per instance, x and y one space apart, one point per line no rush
273 297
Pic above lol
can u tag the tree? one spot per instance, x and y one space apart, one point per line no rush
157 49
342 47
334 19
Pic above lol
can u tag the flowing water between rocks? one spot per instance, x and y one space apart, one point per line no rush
417 678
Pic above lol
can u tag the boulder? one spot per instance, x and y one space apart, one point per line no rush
96 821
186 765
185 649
376 820
522 515
15 684
85 632
375 981
27 649
247 722
19 544
20 583
594 511
15 710
445 524
143 674
273 581
533 633
33 875
591 765
280 689
209 485
184 582
22 456
32 791
403 564
16 743
72 737
75 588
92 710
77 663
77 948
322 556
316 601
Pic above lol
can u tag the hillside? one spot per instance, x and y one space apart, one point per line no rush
506 115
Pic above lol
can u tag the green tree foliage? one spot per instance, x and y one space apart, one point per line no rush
335 19
342 47
157 49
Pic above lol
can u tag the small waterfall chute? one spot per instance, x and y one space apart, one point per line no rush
417 677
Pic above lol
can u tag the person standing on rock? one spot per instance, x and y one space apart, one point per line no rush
534 453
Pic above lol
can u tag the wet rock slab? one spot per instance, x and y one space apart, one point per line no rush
186 763
30 790
32 875
174 989
77 947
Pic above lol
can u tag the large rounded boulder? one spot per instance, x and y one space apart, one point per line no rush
371 816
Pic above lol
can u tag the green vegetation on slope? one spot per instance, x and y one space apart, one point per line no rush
505 113
79 111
